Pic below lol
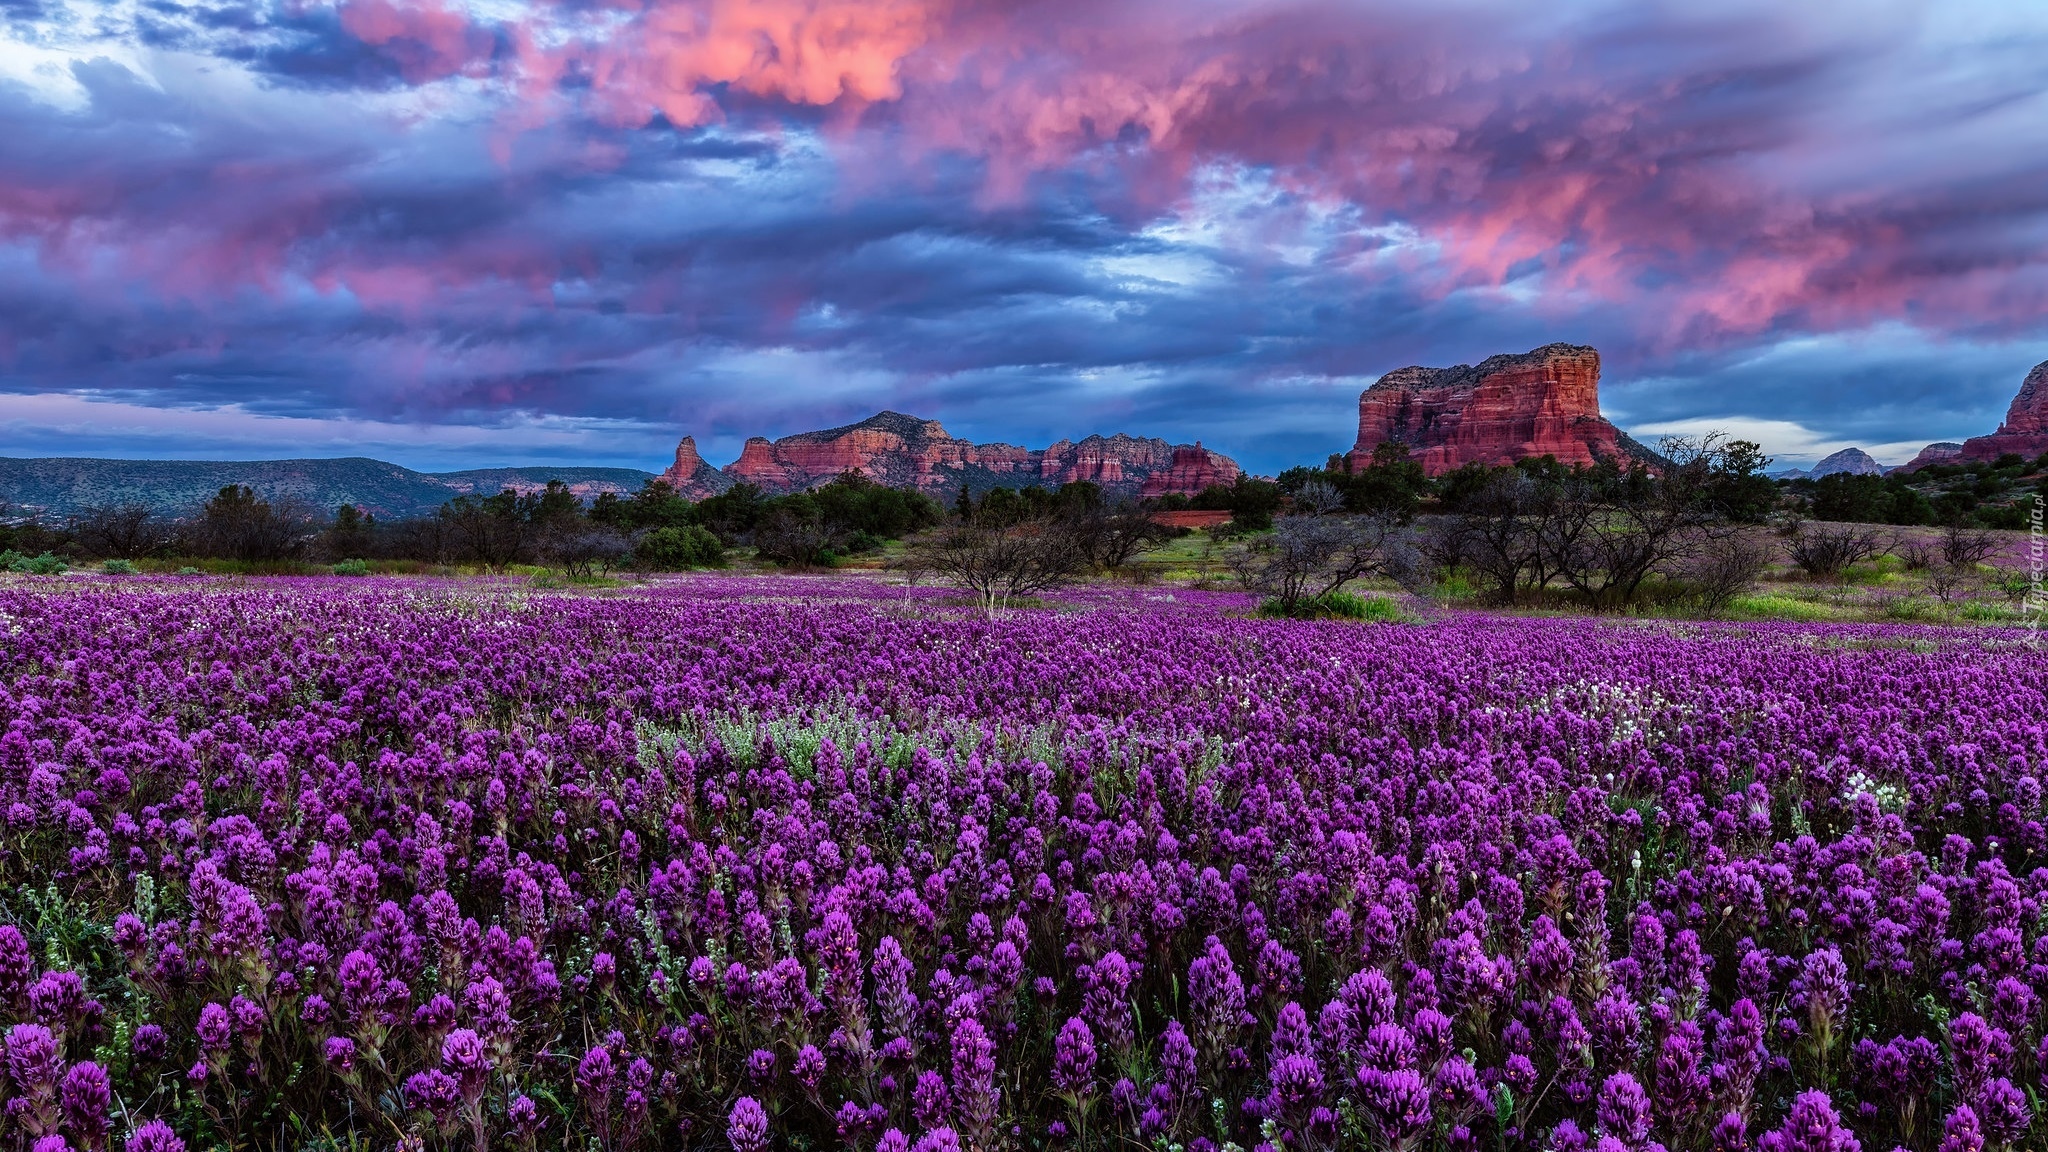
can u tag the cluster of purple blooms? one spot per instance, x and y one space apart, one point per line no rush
726 865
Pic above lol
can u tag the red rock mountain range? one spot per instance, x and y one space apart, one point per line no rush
1503 409
907 452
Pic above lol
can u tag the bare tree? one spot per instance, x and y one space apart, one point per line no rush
585 550
120 531
1965 547
1318 497
2015 585
1725 569
1443 542
1917 554
1604 538
1945 580
1306 558
1116 533
999 563
1499 533
1824 552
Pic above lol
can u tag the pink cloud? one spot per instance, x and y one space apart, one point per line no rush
1507 145
425 39
1650 175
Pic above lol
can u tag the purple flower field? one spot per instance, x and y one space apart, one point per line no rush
811 864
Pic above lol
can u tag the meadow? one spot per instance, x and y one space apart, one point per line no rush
831 863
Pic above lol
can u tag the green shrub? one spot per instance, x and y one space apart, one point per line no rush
188 570
673 549
47 564
117 568
2007 516
352 568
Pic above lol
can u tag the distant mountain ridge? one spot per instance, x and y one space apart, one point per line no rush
61 485
911 452
1854 461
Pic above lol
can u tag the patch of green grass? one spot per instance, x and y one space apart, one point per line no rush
1914 609
1180 549
1777 607
1988 612
1338 606
1454 586
1883 570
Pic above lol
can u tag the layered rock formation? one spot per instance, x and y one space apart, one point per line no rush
907 452
2025 430
1192 469
1504 409
691 476
1941 452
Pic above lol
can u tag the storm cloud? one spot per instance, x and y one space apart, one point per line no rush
469 233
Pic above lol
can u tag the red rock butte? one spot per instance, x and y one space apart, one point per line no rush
1504 409
908 452
1940 452
2025 430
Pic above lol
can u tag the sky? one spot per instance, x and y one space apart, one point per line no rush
462 233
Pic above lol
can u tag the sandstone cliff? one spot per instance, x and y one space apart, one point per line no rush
907 452
2025 430
1940 452
1192 469
1504 409
691 476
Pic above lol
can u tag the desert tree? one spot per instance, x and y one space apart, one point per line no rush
1825 551
1318 497
128 531
237 524
1965 547
1306 558
493 531
583 550
352 534
1606 532
1725 568
1115 532
1498 532
1001 562
797 534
